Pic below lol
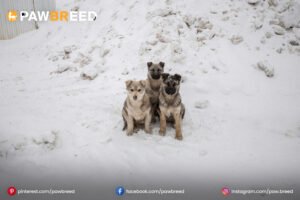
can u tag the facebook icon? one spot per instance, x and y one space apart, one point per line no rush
120 191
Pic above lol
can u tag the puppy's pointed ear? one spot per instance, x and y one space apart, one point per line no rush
143 83
165 76
177 77
162 64
149 64
128 83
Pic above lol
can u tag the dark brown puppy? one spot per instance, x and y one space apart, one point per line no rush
171 108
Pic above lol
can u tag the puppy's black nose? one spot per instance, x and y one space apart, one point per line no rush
134 97
170 90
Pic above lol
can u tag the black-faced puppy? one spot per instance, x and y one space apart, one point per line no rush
137 108
171 108
154 82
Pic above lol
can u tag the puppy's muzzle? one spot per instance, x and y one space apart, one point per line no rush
134 97
170 90
155 76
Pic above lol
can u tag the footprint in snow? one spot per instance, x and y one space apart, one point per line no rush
201 104
266 68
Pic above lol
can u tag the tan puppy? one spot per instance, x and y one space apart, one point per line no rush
137 108
171 108
153 83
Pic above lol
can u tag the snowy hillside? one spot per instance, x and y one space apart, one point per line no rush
62 89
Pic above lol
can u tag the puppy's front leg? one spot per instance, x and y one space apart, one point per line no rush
153 110
148 122
130 125
163 123
178 135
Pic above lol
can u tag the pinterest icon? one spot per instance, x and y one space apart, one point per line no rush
11 191
225 191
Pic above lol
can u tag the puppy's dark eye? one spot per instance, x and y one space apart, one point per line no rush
139 90
131 90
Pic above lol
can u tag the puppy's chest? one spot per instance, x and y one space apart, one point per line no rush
138 113
153 92
170 111
156 93
154 87
154 96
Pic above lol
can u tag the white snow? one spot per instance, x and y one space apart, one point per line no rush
239 124
291 18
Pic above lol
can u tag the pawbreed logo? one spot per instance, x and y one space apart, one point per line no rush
73 16
12 16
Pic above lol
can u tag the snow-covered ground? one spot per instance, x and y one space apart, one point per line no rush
241 88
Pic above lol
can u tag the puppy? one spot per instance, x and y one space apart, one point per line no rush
171 108
137 108
153 83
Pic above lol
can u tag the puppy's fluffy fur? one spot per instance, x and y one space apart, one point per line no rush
171 108
137 108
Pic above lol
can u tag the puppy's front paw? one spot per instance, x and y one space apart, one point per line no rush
129 133
149 131
178 137
162 132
